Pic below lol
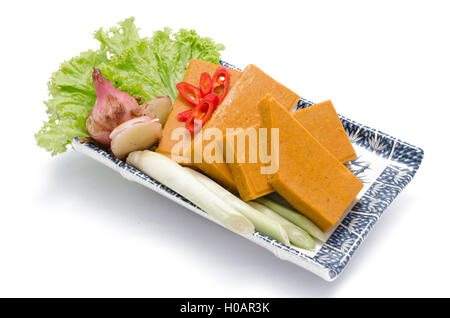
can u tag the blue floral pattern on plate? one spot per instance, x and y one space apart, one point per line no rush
385 165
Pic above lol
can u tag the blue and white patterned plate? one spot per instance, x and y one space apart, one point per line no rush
385 165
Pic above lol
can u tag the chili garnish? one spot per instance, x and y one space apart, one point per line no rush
183 116
205 84
221 79
205 99
202 112
189 92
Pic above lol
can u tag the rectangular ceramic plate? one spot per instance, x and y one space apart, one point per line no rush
385 165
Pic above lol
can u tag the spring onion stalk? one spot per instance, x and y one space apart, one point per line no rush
263 224
173 175
296 235
295 217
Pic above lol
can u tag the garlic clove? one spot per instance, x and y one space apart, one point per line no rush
158 107
135 134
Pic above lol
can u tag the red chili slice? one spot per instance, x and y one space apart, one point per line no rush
183 116
205 84
202 112
213 98
221 81
189 92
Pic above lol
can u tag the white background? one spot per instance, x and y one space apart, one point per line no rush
71 227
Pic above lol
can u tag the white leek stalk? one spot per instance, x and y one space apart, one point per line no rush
263 224
295 217
296 235
174 176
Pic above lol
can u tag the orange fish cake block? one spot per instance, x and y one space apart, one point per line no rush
192 76
246 170
239 110
217 171
322 121
309 177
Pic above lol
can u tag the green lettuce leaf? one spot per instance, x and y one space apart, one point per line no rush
145 67
72 97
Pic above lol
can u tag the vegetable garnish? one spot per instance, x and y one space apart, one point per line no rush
205 83
205 99
221 82
183 116
159 107
139 133
295 217
111 108
139 66
176 177
263 224
202 113
190 93
297 236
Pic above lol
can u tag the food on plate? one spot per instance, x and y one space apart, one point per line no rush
295 217
192 77
245 170
143 67
205 84
201 113
266 225
111 108
296 235
239 106
204 98
191 93
215 170
309 177
114 108
322 121
220 82
238 110
121 94
171 174
159 107
139 133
